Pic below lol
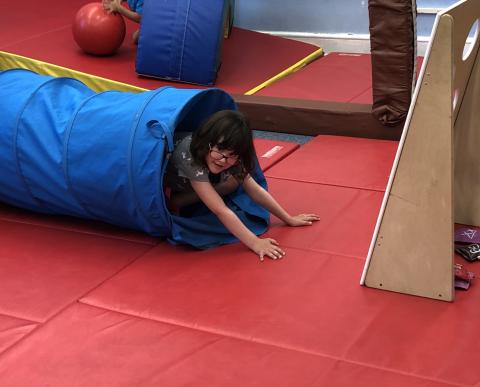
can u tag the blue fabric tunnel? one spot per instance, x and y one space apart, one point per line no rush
65 149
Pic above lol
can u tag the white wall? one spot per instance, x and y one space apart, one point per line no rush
335 25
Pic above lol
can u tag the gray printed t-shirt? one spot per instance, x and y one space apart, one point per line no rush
181 169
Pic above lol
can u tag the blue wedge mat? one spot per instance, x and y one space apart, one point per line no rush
65 149
181 40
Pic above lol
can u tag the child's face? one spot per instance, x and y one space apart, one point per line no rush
220 160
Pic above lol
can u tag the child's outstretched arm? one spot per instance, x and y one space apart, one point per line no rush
263 198
261 246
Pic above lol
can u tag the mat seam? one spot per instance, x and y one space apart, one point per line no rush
70 304
359 94
35 36
284 347
81 232
325 184
19 318
328 252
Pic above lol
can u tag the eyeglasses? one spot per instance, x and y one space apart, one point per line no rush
216 155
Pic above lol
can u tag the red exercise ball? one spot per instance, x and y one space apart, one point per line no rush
96 31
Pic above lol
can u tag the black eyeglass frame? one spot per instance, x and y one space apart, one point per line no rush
231 160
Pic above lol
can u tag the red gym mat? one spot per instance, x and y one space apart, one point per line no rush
44 269
270 152
222 318
338 160
228 291
309 302
365 98
336 77
32 19
248 58
347 217
12 330
93 347
14 214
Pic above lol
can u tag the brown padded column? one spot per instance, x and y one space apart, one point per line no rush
393 48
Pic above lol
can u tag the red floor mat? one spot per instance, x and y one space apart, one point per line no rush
270 152
44 269
86 346
303 320
19 215
338 160
308 302
32 18
337 77
347 217
421 336
365 98
12 330
290 303
248 58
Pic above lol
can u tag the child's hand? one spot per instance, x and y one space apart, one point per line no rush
267 247
302 220
108 5
111 6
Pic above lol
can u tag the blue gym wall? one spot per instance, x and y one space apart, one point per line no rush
319 16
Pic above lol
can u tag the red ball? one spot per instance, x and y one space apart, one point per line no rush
96 31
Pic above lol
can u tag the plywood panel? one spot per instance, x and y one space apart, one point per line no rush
467 152
464 14
413 250
436 177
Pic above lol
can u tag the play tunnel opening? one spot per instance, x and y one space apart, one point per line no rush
65 149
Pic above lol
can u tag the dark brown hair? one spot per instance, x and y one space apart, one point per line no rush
228 130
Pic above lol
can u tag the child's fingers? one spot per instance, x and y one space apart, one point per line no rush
308 219
276 253
273 242
309 216
273 255
270 249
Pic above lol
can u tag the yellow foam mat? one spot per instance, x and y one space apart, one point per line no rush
9 61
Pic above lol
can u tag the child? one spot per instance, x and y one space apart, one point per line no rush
134 13
213 162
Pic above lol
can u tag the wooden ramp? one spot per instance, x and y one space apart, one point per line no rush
435 177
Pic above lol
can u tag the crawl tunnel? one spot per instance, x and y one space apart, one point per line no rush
65 149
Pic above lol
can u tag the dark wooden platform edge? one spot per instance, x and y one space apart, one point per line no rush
311 118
